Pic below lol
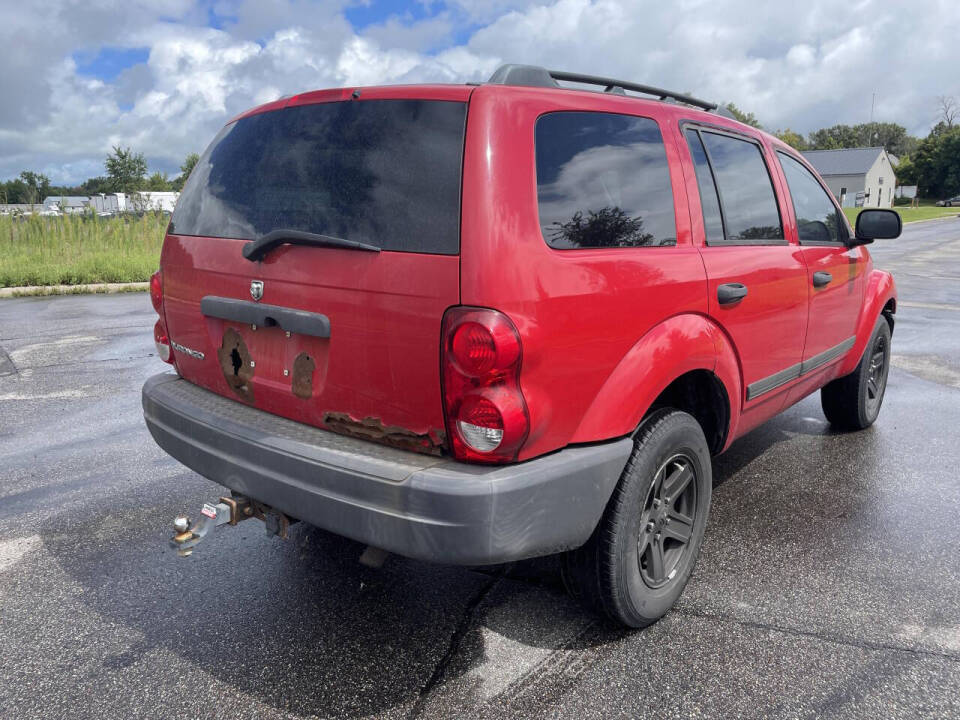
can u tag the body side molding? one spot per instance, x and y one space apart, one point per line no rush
772 382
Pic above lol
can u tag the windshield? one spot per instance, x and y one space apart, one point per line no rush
381 172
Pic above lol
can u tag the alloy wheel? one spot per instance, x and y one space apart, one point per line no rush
877 373
666 523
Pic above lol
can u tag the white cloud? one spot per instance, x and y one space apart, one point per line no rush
801 56
803 65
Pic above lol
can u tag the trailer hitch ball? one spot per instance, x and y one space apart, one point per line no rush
181 524
187 534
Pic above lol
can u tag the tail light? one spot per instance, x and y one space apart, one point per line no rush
160 337
162 342
486 414
156 292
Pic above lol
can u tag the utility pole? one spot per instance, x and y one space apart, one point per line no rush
873 102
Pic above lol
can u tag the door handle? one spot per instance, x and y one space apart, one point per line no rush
731 293
821 278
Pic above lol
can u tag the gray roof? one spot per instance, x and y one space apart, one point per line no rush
67 200
849 161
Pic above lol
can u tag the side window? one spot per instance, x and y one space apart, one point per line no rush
712 221
817 217
748 205
603 181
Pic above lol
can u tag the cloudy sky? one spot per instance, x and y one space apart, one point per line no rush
78 76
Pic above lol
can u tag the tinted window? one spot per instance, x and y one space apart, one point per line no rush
712 222
384 172
749 206
603 181
817 217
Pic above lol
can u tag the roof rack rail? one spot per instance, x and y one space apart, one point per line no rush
725 111
535 76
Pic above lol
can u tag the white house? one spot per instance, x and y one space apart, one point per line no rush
858 177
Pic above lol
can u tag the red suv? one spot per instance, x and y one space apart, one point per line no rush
478 323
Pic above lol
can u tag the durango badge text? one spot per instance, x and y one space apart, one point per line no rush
186 351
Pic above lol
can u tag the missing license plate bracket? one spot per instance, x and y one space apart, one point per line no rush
302 381
236 364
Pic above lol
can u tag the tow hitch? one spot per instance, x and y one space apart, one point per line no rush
227 511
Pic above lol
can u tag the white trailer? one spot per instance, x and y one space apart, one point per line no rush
156 201
107 203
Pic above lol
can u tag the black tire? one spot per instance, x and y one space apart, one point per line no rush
617 573
853 402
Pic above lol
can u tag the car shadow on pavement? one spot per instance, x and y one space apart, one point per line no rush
300 625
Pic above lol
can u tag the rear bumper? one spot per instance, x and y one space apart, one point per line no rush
414 505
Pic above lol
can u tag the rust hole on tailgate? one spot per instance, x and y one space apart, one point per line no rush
372 428
235 364
302 384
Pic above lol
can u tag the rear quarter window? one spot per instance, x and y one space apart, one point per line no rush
383 172
603 181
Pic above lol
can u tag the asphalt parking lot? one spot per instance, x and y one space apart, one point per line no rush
828 585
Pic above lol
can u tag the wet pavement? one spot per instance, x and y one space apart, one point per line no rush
828 585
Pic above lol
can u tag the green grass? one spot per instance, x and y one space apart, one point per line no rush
908 214
73 250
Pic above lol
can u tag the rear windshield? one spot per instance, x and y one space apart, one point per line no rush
383 172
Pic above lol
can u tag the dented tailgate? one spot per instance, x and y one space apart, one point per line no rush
334 337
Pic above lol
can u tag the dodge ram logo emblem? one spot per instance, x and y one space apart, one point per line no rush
256 289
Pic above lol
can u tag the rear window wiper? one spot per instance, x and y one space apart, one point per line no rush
256 249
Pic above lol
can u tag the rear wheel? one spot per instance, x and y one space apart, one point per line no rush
642 553
853 401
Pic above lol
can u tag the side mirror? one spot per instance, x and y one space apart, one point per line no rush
877 224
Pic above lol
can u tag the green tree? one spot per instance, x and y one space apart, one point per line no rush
93 186
746 118
906 172
794 140
189 163
14 192
126 170
64 190
38 186
939 129
158 182
891 136
834 138
935 166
